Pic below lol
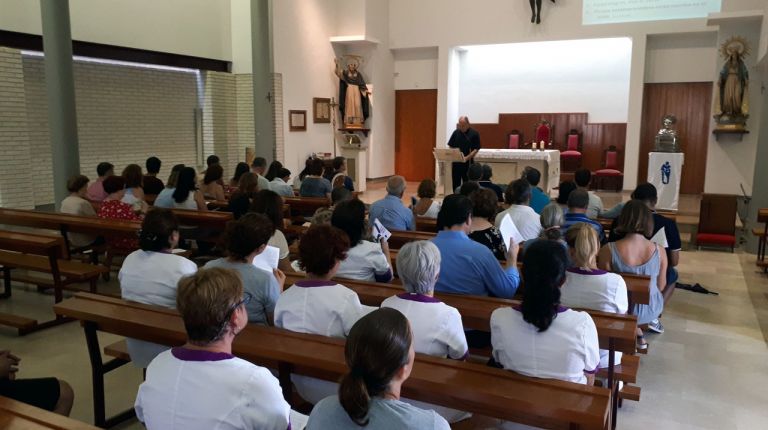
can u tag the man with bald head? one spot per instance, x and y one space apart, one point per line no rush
467 140
390 210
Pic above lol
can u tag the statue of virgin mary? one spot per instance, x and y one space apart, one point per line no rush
353 94
732 96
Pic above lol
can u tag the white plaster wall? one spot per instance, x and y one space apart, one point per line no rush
590 75
450 23
681 57
351 20
190 27
240 30
305 60
415 69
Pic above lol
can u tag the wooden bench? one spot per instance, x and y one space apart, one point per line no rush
305 207
463 385
616 332
426 224
41 254
21 416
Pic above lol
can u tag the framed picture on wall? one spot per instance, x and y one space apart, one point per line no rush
297 120
321 110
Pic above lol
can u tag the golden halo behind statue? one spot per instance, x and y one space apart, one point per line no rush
348 59
736 44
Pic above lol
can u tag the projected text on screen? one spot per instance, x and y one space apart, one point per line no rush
615 11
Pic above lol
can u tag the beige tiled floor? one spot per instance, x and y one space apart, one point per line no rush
708 371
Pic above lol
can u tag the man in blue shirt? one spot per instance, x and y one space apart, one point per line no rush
390 210
578 202
539 198
468 267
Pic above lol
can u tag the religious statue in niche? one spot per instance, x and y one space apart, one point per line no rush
536 10
732 96
666 138
353 93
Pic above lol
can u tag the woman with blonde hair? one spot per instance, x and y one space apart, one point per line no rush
588 287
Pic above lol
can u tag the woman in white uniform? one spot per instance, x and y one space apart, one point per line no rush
319 305
186 195
201 385
540 338
588 287
270 203
436 327
380 355
150 274
366 260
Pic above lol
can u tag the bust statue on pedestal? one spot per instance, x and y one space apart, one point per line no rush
666 138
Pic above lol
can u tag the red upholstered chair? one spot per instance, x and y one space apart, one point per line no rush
514 139
544 132
717 221
570 159
609 177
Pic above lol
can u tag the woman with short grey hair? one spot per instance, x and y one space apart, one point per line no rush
437 328
418 265
551 218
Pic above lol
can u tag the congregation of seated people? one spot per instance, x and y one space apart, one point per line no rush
568 262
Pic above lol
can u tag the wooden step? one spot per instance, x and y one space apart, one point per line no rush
24 325
118 350
630 392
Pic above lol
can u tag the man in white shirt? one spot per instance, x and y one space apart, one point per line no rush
518 196
583 177
259 167
280 184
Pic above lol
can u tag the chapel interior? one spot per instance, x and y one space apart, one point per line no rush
635 92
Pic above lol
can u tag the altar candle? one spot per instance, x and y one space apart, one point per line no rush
534 145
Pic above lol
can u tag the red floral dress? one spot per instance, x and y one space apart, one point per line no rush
115 209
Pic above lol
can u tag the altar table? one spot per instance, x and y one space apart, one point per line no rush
508 165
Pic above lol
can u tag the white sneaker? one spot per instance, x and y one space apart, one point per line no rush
656 326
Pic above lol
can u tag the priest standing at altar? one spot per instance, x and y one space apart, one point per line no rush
467 140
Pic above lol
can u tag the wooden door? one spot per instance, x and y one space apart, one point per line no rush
415 128
691 103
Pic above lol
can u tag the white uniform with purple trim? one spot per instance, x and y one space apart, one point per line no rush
598 290
318 307
365 262
190 389
437 331
565 351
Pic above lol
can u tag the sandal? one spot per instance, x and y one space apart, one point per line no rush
641 344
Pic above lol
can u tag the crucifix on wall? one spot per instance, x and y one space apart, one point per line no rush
536 10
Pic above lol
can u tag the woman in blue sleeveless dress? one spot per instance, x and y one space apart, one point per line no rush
635 254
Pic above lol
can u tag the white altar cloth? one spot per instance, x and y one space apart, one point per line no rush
508 165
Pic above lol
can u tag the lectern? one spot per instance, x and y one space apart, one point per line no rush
446 157
664 172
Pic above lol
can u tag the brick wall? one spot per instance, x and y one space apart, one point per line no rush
124 113
16 183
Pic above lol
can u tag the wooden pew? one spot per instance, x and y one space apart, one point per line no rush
21 416
44 254
616 332
305 207
426 224
462 385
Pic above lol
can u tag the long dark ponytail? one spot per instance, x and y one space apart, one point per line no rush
377 347
544 267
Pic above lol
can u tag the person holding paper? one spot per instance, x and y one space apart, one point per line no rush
270 203
245 239
366 260
467 140
468 267
518 196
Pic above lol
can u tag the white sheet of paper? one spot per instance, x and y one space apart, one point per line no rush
268 259
380 231
298 420
509 230
660 238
